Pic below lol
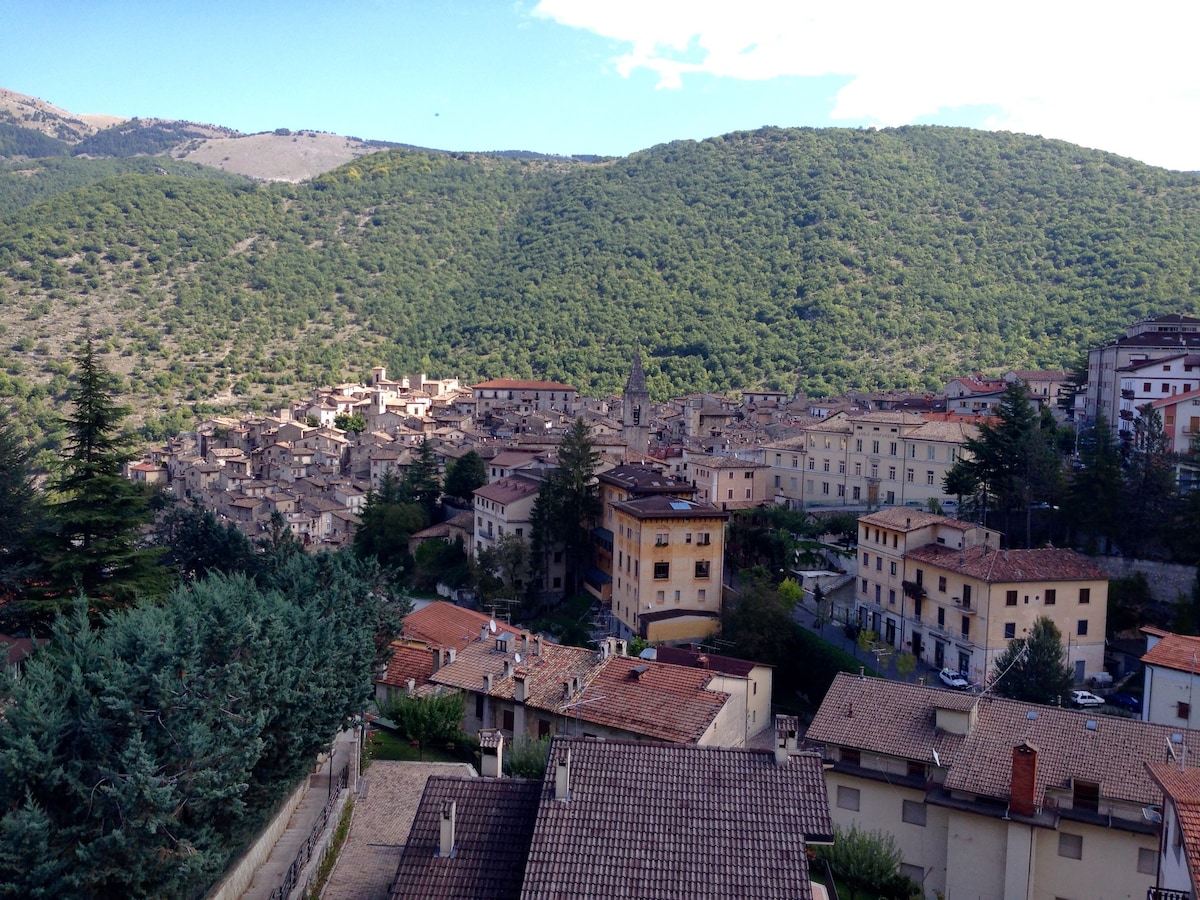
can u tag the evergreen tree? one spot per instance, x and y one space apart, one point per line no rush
387 521
1093 500
568 502
95 544
421 483
1149 497
1033 668
23 514
464 475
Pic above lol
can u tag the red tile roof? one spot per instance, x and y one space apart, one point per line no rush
1175 651
408 661
1182 788
507 490
512 384
442 624
1000 566
676 822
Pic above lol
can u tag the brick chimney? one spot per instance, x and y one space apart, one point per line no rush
519 688
786 730
1022 789
437 658
483 632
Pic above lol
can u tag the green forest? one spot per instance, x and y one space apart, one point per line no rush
791 258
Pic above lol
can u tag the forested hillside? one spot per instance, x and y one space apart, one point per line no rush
806 258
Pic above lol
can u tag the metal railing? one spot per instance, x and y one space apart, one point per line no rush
1165 894
304 854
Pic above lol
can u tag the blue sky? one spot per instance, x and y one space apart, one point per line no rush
616 76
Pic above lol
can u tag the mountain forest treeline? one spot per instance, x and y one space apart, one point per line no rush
792 258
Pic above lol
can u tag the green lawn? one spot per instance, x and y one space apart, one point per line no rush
385 744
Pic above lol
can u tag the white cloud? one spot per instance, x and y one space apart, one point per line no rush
1117 78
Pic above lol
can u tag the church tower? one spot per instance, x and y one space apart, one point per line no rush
635 410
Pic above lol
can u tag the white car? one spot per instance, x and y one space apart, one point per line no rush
1085 698
951 678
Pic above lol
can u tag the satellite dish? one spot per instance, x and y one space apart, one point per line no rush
936 761
492 626
516 657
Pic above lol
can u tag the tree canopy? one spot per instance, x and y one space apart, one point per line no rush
1033 668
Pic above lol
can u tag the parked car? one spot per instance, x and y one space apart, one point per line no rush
951 678
1085 699
1125 701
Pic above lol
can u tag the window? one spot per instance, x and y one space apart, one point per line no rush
702 568
941 617
1010 598
929 476
841 467
856 492
913 813
1183 710
508 720
1081 628
858 445
1147 863
660 539
921 576
841 490
908 475
824 488
847 798
892 567
874 446
824 465
942 583
1085 595
1010 630
1051 597
662 570
866 560
704 539
660 597
700 595
479 707
967 596
858 468
687 538
966 627
891 473
879 564
864 585
893 448
1070 846
812 464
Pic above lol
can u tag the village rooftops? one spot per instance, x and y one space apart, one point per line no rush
1174 651
508 490
512 384
645 480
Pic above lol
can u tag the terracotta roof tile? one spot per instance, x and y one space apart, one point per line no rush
506 490
676 822
1175 651
442 624
1182 787
408 661
512 384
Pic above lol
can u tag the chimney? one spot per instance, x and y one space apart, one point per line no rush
437 658
491 753
525 643
562 776
508 668
1023 786
519 694
483 632
446 838
412 686
786 730
537 644
487 683
450 654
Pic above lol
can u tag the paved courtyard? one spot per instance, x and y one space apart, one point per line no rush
379 829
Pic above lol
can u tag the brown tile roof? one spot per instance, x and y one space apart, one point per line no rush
1175 651
1182 787
676 822
506 490
493 822
895 719
998 566
660 506
907 518
666 703
687 656
442 624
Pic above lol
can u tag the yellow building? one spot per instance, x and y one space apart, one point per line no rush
667 567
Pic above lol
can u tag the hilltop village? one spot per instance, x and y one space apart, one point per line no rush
984 796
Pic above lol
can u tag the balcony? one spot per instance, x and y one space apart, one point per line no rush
1166 894
1126 414
1126 394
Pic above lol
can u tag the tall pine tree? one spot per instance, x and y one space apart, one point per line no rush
95 545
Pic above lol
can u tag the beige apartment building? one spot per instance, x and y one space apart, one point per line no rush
989 797
944 590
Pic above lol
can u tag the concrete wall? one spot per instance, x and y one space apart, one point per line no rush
1168 581
234 884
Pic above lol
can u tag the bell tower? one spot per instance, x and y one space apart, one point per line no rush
635 410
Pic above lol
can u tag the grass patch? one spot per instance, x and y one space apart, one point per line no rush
335 847
384 744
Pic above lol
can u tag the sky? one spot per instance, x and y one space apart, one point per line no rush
612 77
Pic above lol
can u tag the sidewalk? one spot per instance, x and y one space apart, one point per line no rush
271 874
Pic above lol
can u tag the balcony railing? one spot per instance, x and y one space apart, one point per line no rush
1166 894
